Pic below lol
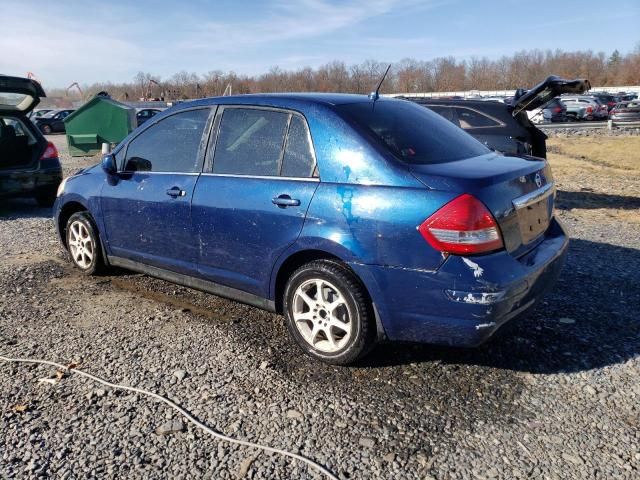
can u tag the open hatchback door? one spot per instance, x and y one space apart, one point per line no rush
547 90
19 95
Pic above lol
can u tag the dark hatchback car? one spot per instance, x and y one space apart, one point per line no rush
146 114
506 127
358 219
53 121
29 165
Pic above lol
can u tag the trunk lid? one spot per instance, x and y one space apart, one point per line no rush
519 192
19 95
546 91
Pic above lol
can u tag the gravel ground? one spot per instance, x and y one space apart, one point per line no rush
553 395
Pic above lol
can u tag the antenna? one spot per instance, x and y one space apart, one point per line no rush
374 95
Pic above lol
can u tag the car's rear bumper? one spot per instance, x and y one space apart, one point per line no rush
467 299
17 183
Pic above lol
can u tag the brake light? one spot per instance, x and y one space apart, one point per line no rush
589 109
50 152
557 110
463 226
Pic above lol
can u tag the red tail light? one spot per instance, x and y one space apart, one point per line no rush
463 226
49 152
589 109
557 110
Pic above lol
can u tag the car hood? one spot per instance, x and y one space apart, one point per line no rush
19 95
545 91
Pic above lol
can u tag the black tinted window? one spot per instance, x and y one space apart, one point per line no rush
473 119
446 112
250 142
172 145
298 154
414 133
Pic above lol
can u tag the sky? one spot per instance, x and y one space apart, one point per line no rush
100 40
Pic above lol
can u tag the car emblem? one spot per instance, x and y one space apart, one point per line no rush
538 180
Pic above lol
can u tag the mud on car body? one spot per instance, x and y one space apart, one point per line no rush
358 218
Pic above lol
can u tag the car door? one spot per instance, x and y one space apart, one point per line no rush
147 206
251 202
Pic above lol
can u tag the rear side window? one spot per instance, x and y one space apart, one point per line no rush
413 133
469 118
250 142
298 158
171 145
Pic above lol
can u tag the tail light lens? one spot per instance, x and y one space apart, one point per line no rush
464 226
557 110
50 152
589 109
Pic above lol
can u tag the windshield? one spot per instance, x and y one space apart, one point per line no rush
413 133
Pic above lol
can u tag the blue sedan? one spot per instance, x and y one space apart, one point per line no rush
360 219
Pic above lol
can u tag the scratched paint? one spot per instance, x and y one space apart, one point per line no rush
475 268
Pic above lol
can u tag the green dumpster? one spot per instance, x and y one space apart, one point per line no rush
100 120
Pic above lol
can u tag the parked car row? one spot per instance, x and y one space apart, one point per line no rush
593 105
50 121
585 107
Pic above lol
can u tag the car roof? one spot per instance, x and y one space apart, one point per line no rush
281 99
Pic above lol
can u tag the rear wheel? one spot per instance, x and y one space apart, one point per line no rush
83 243
328 313
46 129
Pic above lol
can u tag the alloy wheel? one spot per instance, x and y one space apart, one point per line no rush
81 245
322 315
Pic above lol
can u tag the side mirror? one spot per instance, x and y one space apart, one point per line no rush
109 164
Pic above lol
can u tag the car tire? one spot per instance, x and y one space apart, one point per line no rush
337 326
46 129
46 198
83 244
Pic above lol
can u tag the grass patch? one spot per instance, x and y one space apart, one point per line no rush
608 155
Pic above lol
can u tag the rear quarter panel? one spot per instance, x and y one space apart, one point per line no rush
374 225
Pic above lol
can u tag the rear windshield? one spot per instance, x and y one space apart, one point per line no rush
413 133
15 101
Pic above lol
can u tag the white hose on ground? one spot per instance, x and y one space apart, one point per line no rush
179 409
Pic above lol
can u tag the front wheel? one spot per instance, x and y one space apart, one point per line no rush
328 313
83 243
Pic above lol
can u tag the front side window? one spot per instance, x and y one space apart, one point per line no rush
469 118
413 133
250 142
171 145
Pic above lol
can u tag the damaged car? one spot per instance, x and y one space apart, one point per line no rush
506 127
359 218
29 164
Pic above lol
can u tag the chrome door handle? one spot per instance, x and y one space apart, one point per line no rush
175 192
284 201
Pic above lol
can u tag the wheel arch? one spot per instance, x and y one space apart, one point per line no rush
298 258
66 211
